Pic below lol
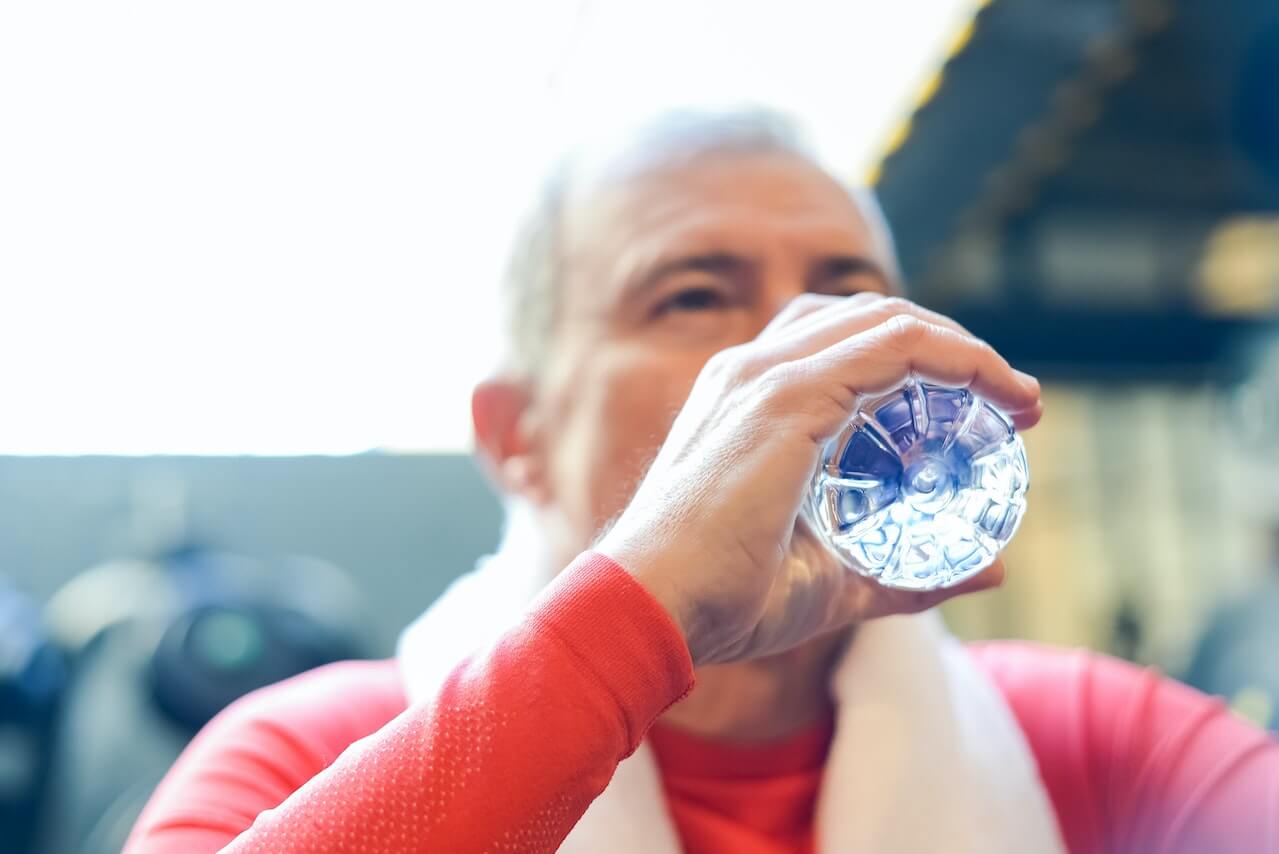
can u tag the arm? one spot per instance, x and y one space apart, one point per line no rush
511 752
1137 762
522 737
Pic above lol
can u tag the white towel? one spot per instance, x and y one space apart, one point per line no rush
926 757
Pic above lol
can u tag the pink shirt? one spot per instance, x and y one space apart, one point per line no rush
522 737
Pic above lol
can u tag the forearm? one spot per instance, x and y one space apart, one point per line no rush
512 749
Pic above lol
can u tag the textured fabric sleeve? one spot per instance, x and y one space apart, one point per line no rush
1134 761
506 757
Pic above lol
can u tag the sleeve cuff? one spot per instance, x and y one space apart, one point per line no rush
622 635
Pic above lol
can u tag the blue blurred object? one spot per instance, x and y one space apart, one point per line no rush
33 679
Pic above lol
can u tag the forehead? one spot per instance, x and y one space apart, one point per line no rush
748 203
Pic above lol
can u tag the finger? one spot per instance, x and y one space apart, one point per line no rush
990 577
820 326
864 598
880 359
1028 418
821 320
808 304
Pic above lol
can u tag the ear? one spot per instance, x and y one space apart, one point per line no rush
506 441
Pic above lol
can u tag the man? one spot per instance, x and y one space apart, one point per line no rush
692 315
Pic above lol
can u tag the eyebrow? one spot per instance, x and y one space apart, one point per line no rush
715 263
729 264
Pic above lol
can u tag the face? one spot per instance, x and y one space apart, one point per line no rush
663 270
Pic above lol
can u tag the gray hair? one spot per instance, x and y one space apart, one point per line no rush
531 283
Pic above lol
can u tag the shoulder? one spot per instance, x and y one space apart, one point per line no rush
1125 750
1031 675
1081 710
1102 696
1055 694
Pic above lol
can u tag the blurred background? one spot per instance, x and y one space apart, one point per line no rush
248 259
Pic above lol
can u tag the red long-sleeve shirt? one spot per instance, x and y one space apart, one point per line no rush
521 738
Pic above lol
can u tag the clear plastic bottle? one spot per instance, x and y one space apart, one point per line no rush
923 487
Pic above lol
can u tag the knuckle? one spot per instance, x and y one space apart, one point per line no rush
796 395
894 305
980 347
905 328
777 380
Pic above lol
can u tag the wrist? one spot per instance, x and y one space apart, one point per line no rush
657 573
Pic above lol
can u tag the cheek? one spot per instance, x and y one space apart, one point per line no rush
616 414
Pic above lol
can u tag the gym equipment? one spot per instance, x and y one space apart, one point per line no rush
158 649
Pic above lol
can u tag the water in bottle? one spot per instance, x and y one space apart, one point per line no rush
923 487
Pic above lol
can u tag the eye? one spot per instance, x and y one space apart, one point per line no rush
852 282
693 299
850 291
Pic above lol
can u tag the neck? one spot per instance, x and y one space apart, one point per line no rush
762 700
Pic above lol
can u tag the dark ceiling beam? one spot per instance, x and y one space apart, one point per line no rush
1064 344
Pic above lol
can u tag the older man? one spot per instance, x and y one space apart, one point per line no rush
691 316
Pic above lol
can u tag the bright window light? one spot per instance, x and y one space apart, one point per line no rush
275 227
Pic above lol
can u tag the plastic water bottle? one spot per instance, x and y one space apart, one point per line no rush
923 487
